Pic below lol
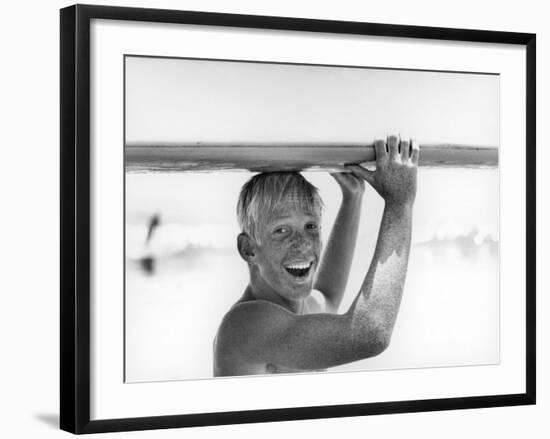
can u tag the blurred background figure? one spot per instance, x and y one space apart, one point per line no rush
147 262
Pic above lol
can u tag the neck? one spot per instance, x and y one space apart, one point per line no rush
260 290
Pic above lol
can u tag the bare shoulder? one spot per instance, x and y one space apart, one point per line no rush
245 329
253 315
250 327
247 322
261 315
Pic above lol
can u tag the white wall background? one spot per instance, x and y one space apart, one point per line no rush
30 205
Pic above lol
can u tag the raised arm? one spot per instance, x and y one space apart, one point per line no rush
333 273
262 332
374 310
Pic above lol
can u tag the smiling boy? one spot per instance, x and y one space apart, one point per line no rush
277 325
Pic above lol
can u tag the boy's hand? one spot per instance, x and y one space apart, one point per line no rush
395 175
352 186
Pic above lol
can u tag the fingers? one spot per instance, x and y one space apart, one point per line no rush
393 146
344 179
405 150
400 150
361 172
380 149
415 152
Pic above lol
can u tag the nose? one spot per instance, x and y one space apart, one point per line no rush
301 242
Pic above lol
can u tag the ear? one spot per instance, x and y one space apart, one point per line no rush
246 246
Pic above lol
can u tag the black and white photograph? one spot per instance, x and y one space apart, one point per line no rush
271 218
285 218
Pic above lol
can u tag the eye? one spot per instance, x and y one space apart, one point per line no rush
281 230
312 226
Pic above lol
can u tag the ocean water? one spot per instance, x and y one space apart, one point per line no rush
449 314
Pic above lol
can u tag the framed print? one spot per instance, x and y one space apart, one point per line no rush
275 218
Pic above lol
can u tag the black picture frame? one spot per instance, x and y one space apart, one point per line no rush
75 217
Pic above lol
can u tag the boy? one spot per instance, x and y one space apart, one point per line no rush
277 326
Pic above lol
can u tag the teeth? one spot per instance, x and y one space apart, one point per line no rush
302 266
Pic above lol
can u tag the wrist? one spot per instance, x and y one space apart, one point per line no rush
352 197
399 207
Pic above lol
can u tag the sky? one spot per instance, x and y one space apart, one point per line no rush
180 100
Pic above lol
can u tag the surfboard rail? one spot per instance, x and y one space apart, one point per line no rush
265 157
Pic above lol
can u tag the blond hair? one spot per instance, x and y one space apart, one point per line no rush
264 192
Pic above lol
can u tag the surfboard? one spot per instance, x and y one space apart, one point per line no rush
265 157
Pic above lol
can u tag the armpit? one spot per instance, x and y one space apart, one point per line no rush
316 303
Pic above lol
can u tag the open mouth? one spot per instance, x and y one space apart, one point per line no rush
300 269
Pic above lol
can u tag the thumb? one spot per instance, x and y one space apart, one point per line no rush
338 176
364 173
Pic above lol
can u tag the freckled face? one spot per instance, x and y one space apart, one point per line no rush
288 251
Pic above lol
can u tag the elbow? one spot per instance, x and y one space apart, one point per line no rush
378 344
374 343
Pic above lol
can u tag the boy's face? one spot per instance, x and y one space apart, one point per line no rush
288 250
